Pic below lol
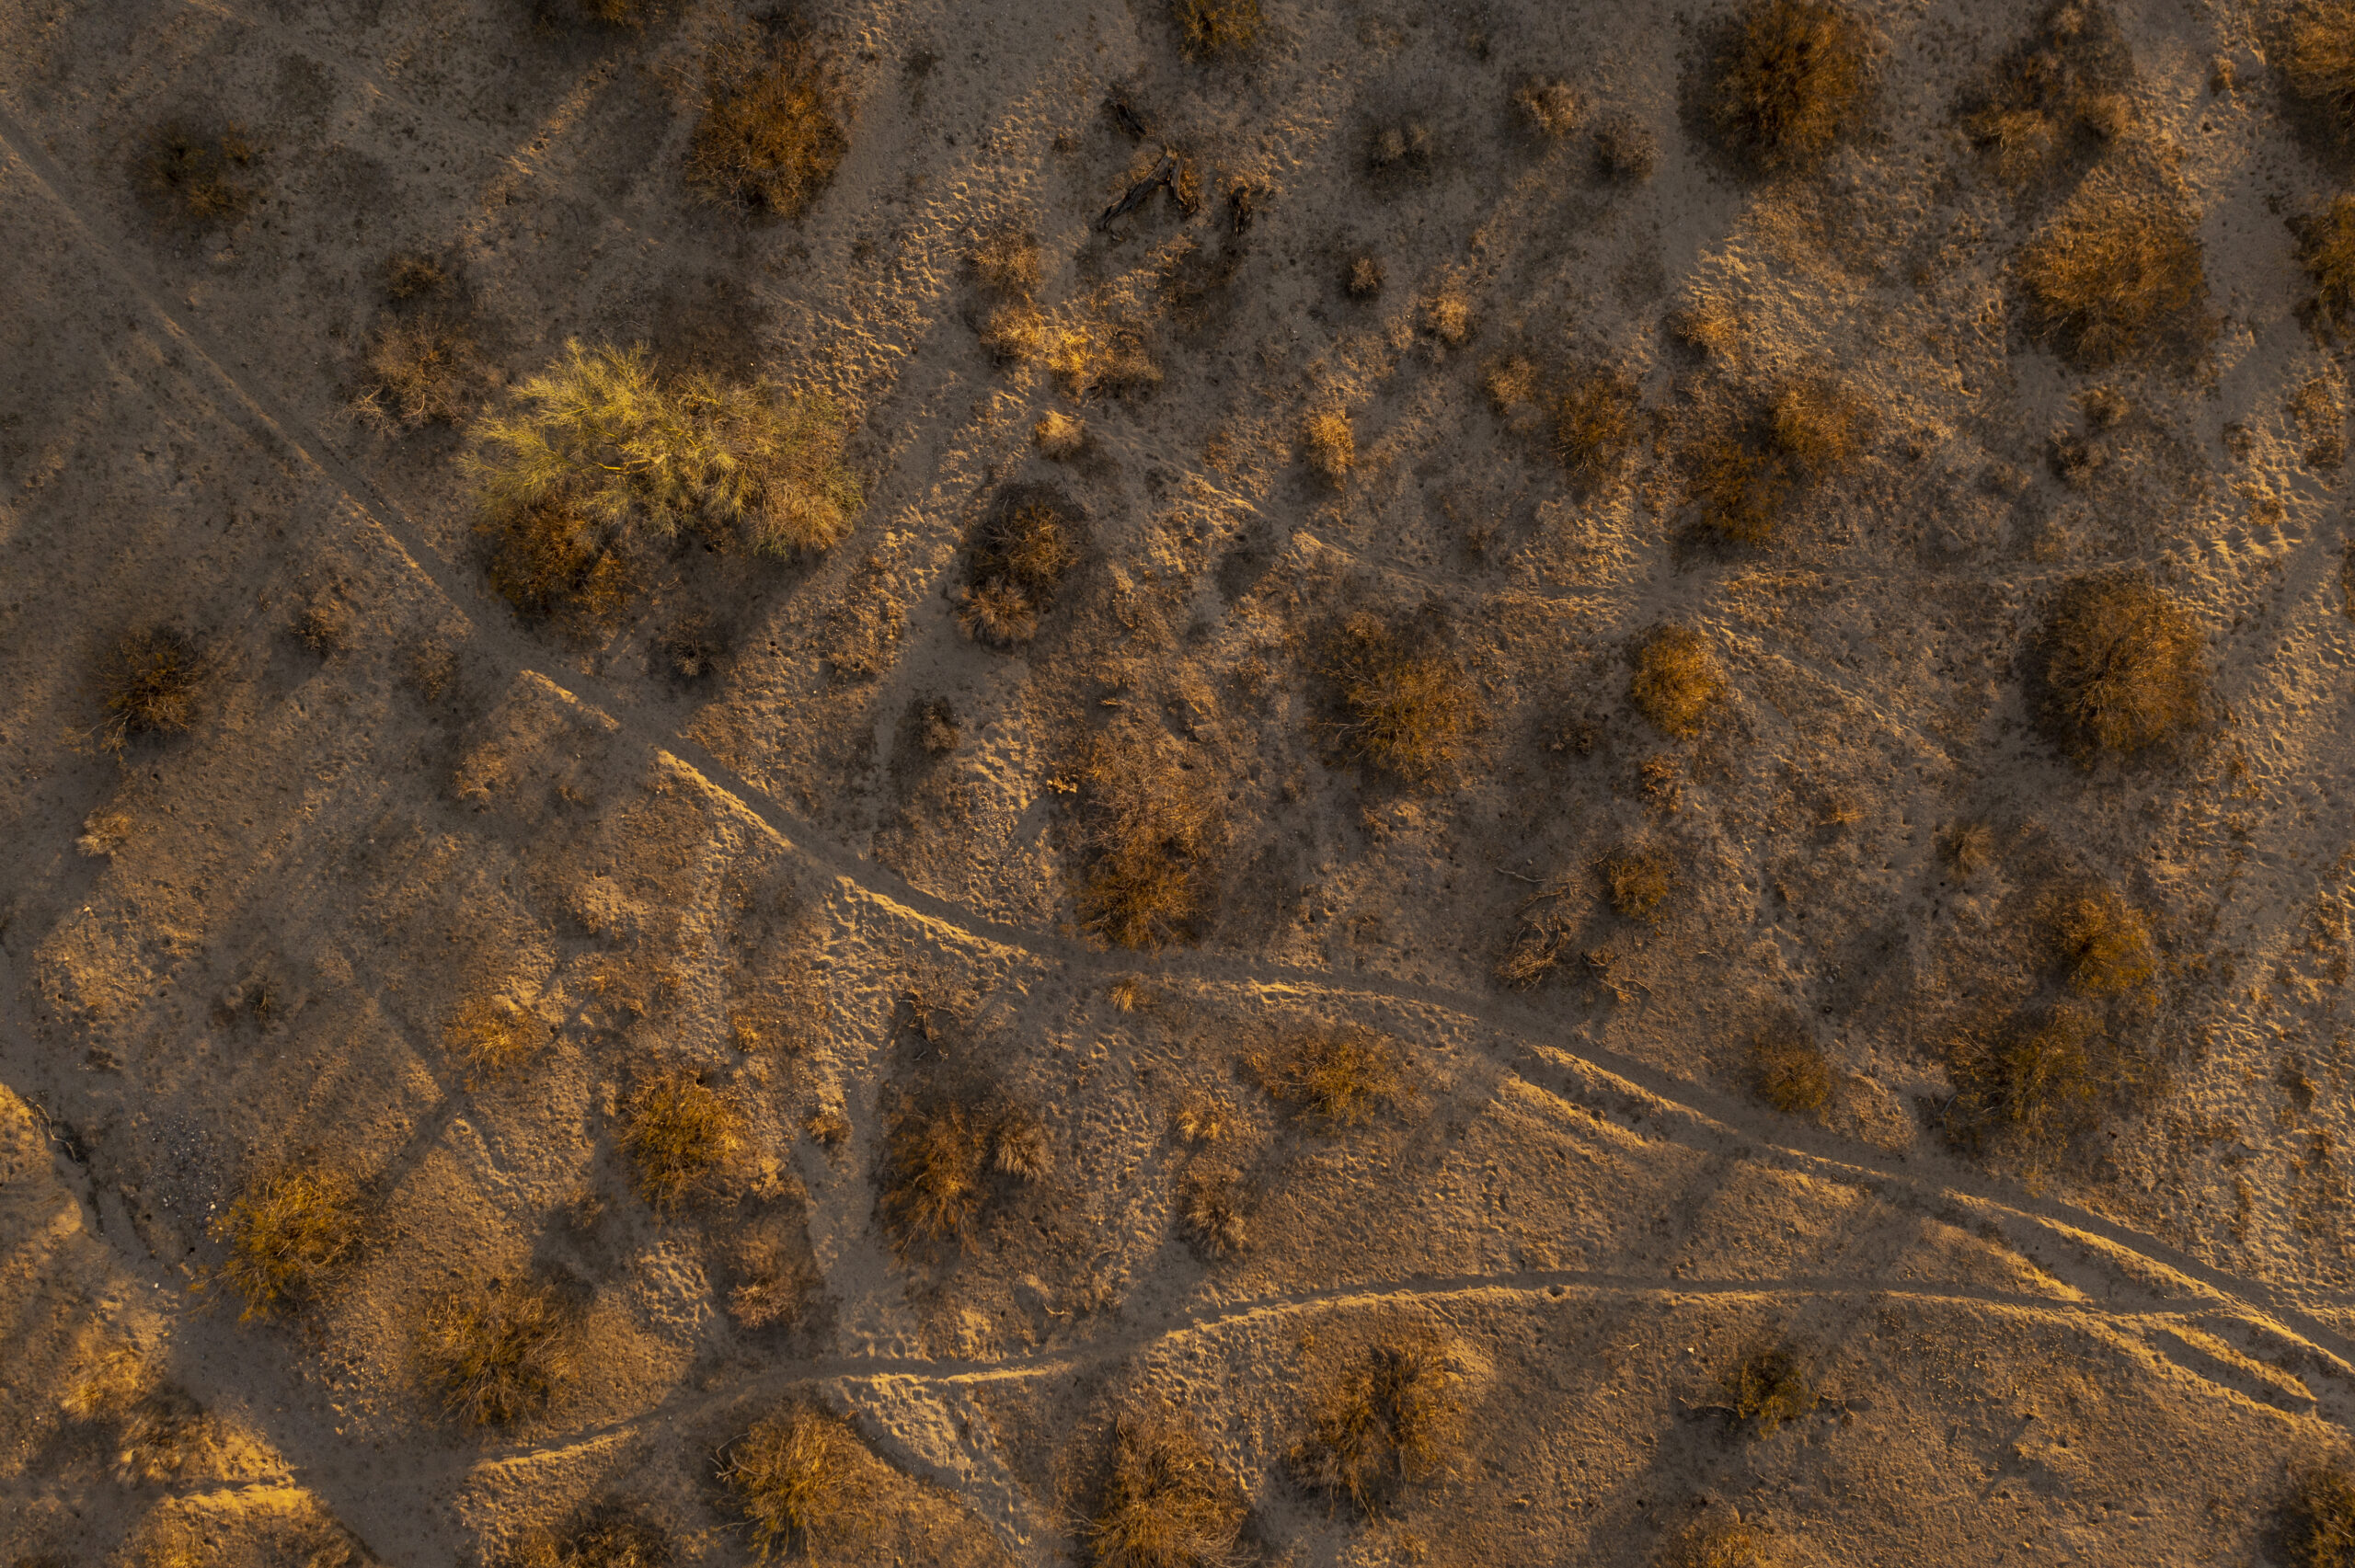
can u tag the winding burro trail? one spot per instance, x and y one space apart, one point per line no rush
2123 1280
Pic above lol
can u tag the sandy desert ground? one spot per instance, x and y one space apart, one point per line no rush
1531 825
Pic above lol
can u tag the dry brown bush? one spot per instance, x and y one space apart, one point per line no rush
2320 56
502 1351
2033 1084
1364 279
1394 1417
1151 826
2060 94
196 177
1597 423
1627 151
938 1175
1790 81
1211 28
418 370
1165 1503
770 138
1676 681
610 1535
1744 478
1332 446
1110 357
1013 332
2321 1532
324 625
1638 880
1212 1212
1765 1387
1016 559
408 274
153 682
2104 943
1790 1070
1058 437
2116 274
489 1035
1551 108
2326 247
1337 1076
1403 702
678 1135
289 1236
2124 667
1721 1543
802 1480
1006 259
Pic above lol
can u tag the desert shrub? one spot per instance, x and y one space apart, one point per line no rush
1392 1417
1817 422
937 1173
1637 880
612 1536
1016 559
1211 28
1401 148
678 1134
500 1352
2326 247
828 1126
2320 58
1765 1387
769 139
1597 423
289 1235
1744 478
2124 667
1676 681
1510 382
324 627
598 450
1549 108
2115 273
1721 1543
1213 1210
1447 316
1790 1070
409 274
2060 93
1165 1503
489 1035
1790 81
1013 332
1402 701
2321 1532
800 1478
1364 279
417 371
196 177
771 1274
2104 943
153 683
690 648
1007 260
1058 437
1151 826
1331 445
1021 1150
159 1433
2036 1083
1337 1076
1110 357
1625 150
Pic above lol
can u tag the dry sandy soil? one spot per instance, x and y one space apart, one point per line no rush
837 875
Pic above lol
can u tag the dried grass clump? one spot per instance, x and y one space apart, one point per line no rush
1213 1212
1014 561
2321 1532
198 177
408 274
501 1352
1766 1387
598 451
490 1035
1013 332
938 1171
289 1235
1791 81
324 627
1113 358
1597 423
1627 151
1551 108
773 1274
1790 1070
1723 1543
677 1134
1211 28
418 371
1332 446
1676 681
770 138
153 682
1395 1417
1006 259
2124 667
1165 1502
611 1536
2104 943
1151 826
2327 247
2035 1084
2060 96
1058 437
1364 279
1403 701
1337 1076
2320 59
159 1434
2115 274
1447 316
1745 479
1638 880
801 1479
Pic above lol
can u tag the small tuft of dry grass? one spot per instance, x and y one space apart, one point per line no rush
1790 81
612 1536
1551 109
196 177
937 1174
1364 279
690 649
1216 29
417 371
1722 1544
1638 880
1337 1076
2320 57
2326 247
1015 562
1764 1387
2103 942
1331 445
1447 316
2321 1532
1403 701
489 1035
678 1134
2124 667
1114 358
1022 1150
2035 1084
501 1352
1058 437
289 1236
1510 384
324 625
1014 333
1151 825
1790 1070
801 1479
770 138
1597 424
1676 681
1213 1210
1007 260
1165 1503
154 681
409 274
828 1126
1391 1418
2116 274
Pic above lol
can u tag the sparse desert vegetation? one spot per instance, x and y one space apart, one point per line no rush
1338 1076
1403 701
1790 81
770 137
1676 681
289 1236
2124 667
1387 1419
800 1478
1164 1502
501 1351
1015 561
1151 828
153 683
678 1133
2116 274
199 176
